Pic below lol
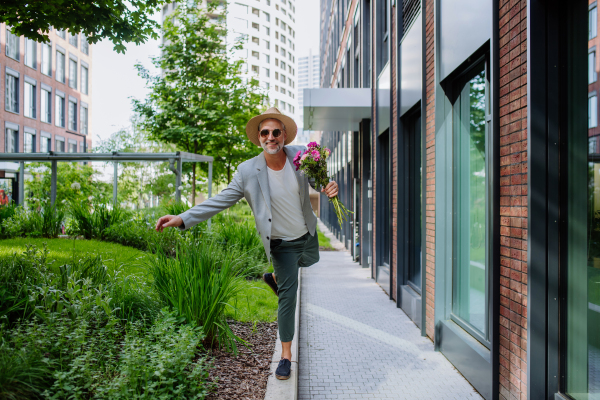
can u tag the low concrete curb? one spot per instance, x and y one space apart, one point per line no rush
288 389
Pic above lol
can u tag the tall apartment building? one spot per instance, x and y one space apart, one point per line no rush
308 77
267 28
46 97
464 136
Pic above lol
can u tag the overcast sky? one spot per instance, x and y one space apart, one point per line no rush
115 80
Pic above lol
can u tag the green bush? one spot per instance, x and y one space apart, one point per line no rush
92 220
242 236
46 222
199 283
141 235
6 212
95 357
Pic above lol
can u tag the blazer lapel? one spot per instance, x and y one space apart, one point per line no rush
301 184
263 179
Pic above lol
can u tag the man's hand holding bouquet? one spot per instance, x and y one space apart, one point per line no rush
313 163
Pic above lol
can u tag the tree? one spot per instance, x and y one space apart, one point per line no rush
199 102
117 20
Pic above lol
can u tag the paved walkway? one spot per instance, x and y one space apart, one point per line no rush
355 343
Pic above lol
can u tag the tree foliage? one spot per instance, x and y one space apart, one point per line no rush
119 21
199 102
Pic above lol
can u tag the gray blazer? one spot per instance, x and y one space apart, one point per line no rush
251 182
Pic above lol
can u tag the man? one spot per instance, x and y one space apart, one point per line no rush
278 196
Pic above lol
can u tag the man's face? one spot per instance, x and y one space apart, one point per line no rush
270 144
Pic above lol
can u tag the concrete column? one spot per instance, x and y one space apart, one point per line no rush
178 180
21 182
115 181
53 177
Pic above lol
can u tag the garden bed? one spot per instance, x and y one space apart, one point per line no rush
244 377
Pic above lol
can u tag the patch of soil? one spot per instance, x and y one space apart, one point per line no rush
244 377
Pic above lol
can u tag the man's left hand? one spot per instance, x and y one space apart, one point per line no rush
331 190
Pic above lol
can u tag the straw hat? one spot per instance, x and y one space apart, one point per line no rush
274 113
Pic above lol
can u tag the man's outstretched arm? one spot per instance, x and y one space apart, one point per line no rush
227 198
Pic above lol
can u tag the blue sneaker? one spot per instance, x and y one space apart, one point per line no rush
283 369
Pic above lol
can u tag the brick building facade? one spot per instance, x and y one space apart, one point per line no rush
474 177
46 97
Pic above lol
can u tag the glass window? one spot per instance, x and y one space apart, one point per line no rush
31 53
12 45
84 120
12 94
85 47
30 100
60 111
592 111
29 143
47 59
72 147
72 116
59 145
73 39
61 33
72 74
592 74
60 66
593 23
12 141
45 144
469 272
84 80
46 104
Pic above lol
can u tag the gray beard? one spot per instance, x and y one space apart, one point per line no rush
271 151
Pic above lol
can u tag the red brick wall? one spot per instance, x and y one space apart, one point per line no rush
513 199
430 167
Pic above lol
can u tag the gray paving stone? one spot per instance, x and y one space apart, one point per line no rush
355 343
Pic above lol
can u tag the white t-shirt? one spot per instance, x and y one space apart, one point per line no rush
288 220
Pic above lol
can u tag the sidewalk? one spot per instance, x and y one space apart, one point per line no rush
355 343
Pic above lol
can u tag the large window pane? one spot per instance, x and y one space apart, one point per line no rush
73 74
29 143
469 295
30 100
84 80
60 67
84 120
46 102
12 45
11 141
592 111
72 116
593 23
31 53
60 111
12 93
592 75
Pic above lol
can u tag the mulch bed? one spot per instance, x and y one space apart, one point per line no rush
245 377
321 248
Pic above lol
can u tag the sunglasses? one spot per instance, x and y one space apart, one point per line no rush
265 133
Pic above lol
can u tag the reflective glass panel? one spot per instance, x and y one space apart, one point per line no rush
469 299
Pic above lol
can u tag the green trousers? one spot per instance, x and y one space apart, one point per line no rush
287 258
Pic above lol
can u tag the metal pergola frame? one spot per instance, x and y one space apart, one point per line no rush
116 157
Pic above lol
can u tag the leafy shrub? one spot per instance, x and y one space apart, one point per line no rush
141 235
96 357
6 212
242 235
31 223
92 220
199 283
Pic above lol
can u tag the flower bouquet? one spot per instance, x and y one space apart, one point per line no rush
312 163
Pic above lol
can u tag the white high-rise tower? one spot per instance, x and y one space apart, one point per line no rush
268 31
308 78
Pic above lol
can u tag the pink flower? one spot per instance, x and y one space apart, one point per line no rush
304 156
315 154
312 144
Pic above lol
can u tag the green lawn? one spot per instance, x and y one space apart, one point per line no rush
323 240
257 302
62 250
